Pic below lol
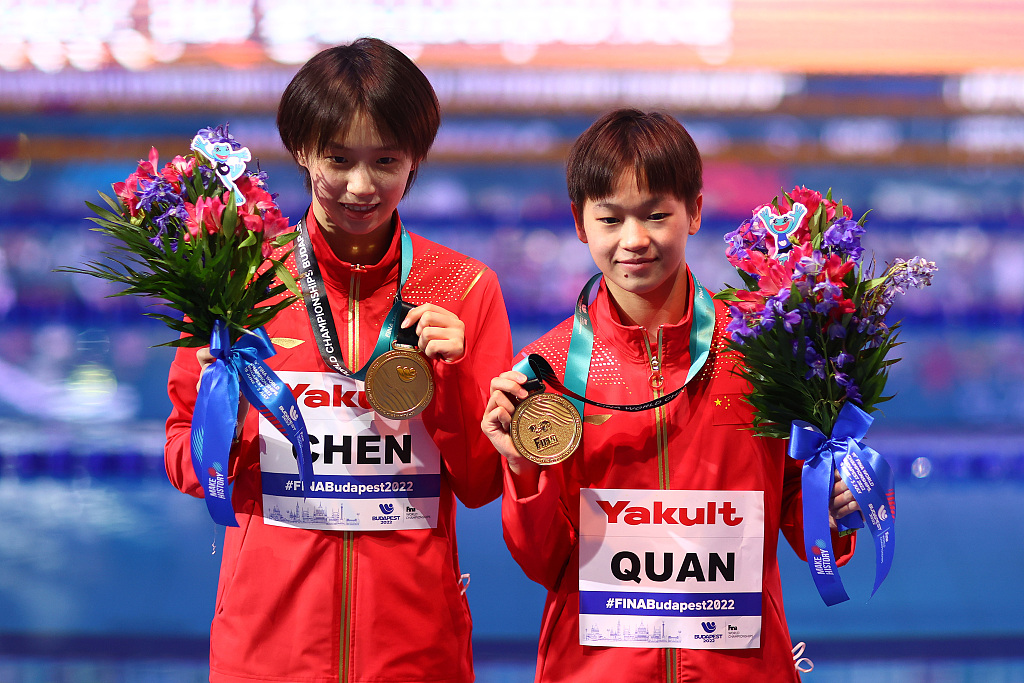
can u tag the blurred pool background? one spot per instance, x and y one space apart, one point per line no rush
108 574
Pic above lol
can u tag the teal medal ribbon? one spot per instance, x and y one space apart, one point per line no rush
318 307
581 348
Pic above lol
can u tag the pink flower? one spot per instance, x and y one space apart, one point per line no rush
274 224
808 198
251 222
206 213
749 302
256 198
126 193
148 168
176 169
835 269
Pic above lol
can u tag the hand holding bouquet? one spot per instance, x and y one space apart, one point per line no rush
198 235
810 322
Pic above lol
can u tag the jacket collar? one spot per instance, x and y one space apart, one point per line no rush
629 339
339 272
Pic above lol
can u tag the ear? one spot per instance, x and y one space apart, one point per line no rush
695 218
577 217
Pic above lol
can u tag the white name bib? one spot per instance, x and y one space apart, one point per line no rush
369 473
671 569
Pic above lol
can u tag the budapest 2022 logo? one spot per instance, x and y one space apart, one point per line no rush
709 635
387 517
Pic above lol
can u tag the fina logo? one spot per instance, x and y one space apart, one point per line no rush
708 626
386 508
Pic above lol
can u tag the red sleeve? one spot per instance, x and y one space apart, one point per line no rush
182 381
792 522
473 465
538 530
181 387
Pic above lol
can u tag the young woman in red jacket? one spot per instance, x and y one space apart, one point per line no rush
657 537
358 579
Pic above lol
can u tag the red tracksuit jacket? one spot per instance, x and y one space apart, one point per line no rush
352 606
696 442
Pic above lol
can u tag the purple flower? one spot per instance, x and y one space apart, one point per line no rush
219 134
775 308
842 359
749 235
843 238
155 192
810 265
815 361
738 328
845 381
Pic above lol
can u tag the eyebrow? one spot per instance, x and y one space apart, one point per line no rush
607 204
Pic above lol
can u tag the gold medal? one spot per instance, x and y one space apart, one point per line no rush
546 428
399 383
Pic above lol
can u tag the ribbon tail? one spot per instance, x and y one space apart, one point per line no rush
817 487
213 429
870 480
273 399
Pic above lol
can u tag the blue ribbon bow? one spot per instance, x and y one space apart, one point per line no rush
868 477
240 367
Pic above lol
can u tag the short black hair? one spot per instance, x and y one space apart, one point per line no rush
654 146
368 76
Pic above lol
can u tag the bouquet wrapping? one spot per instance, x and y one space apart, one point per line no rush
198 235
811 324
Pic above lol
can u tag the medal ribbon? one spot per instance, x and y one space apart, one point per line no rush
869 478
318 307
581 349
240 367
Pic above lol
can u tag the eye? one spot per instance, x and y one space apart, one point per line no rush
336 159
658 216
607 220
386 161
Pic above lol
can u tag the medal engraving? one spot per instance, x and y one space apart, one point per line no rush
546 428
399 384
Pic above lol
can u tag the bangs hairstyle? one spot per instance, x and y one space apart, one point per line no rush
654 146
368 76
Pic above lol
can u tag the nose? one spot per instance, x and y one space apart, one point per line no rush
360 181
634 235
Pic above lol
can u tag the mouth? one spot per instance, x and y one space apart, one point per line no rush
360 208
636 261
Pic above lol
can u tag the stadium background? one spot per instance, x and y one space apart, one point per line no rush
913 109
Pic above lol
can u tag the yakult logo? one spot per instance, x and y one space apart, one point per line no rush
620 512
318 398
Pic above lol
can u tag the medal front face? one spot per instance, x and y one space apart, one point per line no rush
546 428
399 384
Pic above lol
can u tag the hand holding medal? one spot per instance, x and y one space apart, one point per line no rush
545 428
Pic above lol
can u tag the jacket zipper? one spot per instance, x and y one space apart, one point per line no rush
348 537
657 382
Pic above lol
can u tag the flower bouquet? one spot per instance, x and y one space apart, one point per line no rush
198 235
811 325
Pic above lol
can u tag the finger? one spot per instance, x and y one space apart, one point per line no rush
846 510
509 386
204 356
437 317
502 402
413 316
445 349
